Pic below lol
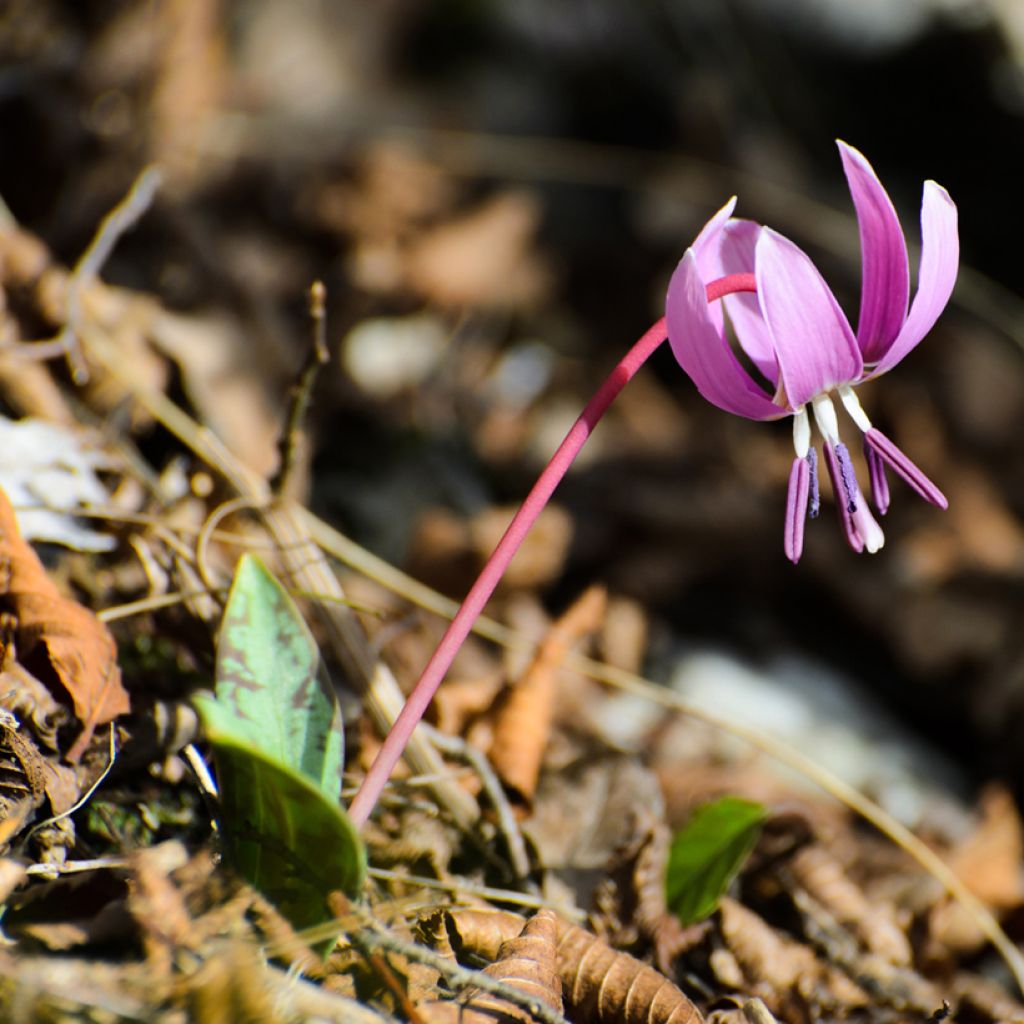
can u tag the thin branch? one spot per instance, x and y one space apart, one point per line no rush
122 217
455 746
317 357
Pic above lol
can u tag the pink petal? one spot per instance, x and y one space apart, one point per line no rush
810 333
703 352
885 274
940 257
705 248
709 233
733 253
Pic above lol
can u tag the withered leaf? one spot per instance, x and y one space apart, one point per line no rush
59 641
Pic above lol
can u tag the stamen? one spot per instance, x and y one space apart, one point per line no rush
853 407
849 478
879 443
814 500
853 537
879 482
801 432
825 417
796 509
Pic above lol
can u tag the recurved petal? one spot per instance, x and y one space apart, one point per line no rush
705 249
885 270
703 352
811 336
940 259
709 233
733 253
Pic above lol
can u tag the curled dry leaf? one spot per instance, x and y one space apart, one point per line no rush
600 985
59 641
523 722
776 967
668 934
817 870
528 962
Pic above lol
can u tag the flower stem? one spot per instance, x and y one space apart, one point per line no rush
460 626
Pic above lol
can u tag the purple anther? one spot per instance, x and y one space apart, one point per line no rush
853 537
848 477
904 467
814 506
879 481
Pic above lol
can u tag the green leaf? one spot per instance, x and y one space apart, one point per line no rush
268 675
278 828
707 854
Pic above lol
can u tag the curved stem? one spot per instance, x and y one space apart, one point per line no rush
479 594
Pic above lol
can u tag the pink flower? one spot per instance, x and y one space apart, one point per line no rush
797 338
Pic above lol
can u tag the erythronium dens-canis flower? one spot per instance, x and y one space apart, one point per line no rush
791 329
793 332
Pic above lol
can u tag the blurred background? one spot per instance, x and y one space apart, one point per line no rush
495 193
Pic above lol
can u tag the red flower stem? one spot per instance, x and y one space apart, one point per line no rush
479 594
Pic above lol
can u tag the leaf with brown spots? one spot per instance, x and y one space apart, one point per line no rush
59 641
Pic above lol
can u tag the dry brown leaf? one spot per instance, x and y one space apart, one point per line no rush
600 985
816 870
777 967
523 720
584 814
990 863
38 774
59 641
540 558
667 933
190 85
484 258
527 962
990 860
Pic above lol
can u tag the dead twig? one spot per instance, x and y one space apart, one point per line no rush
122 217
455 746
293 435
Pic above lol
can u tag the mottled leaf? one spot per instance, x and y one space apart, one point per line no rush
707 853
278 828
268 676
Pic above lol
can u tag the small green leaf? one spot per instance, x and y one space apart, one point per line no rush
268 675
707 854
278 828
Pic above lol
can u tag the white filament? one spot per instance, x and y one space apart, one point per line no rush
825 417
801 432
854 408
